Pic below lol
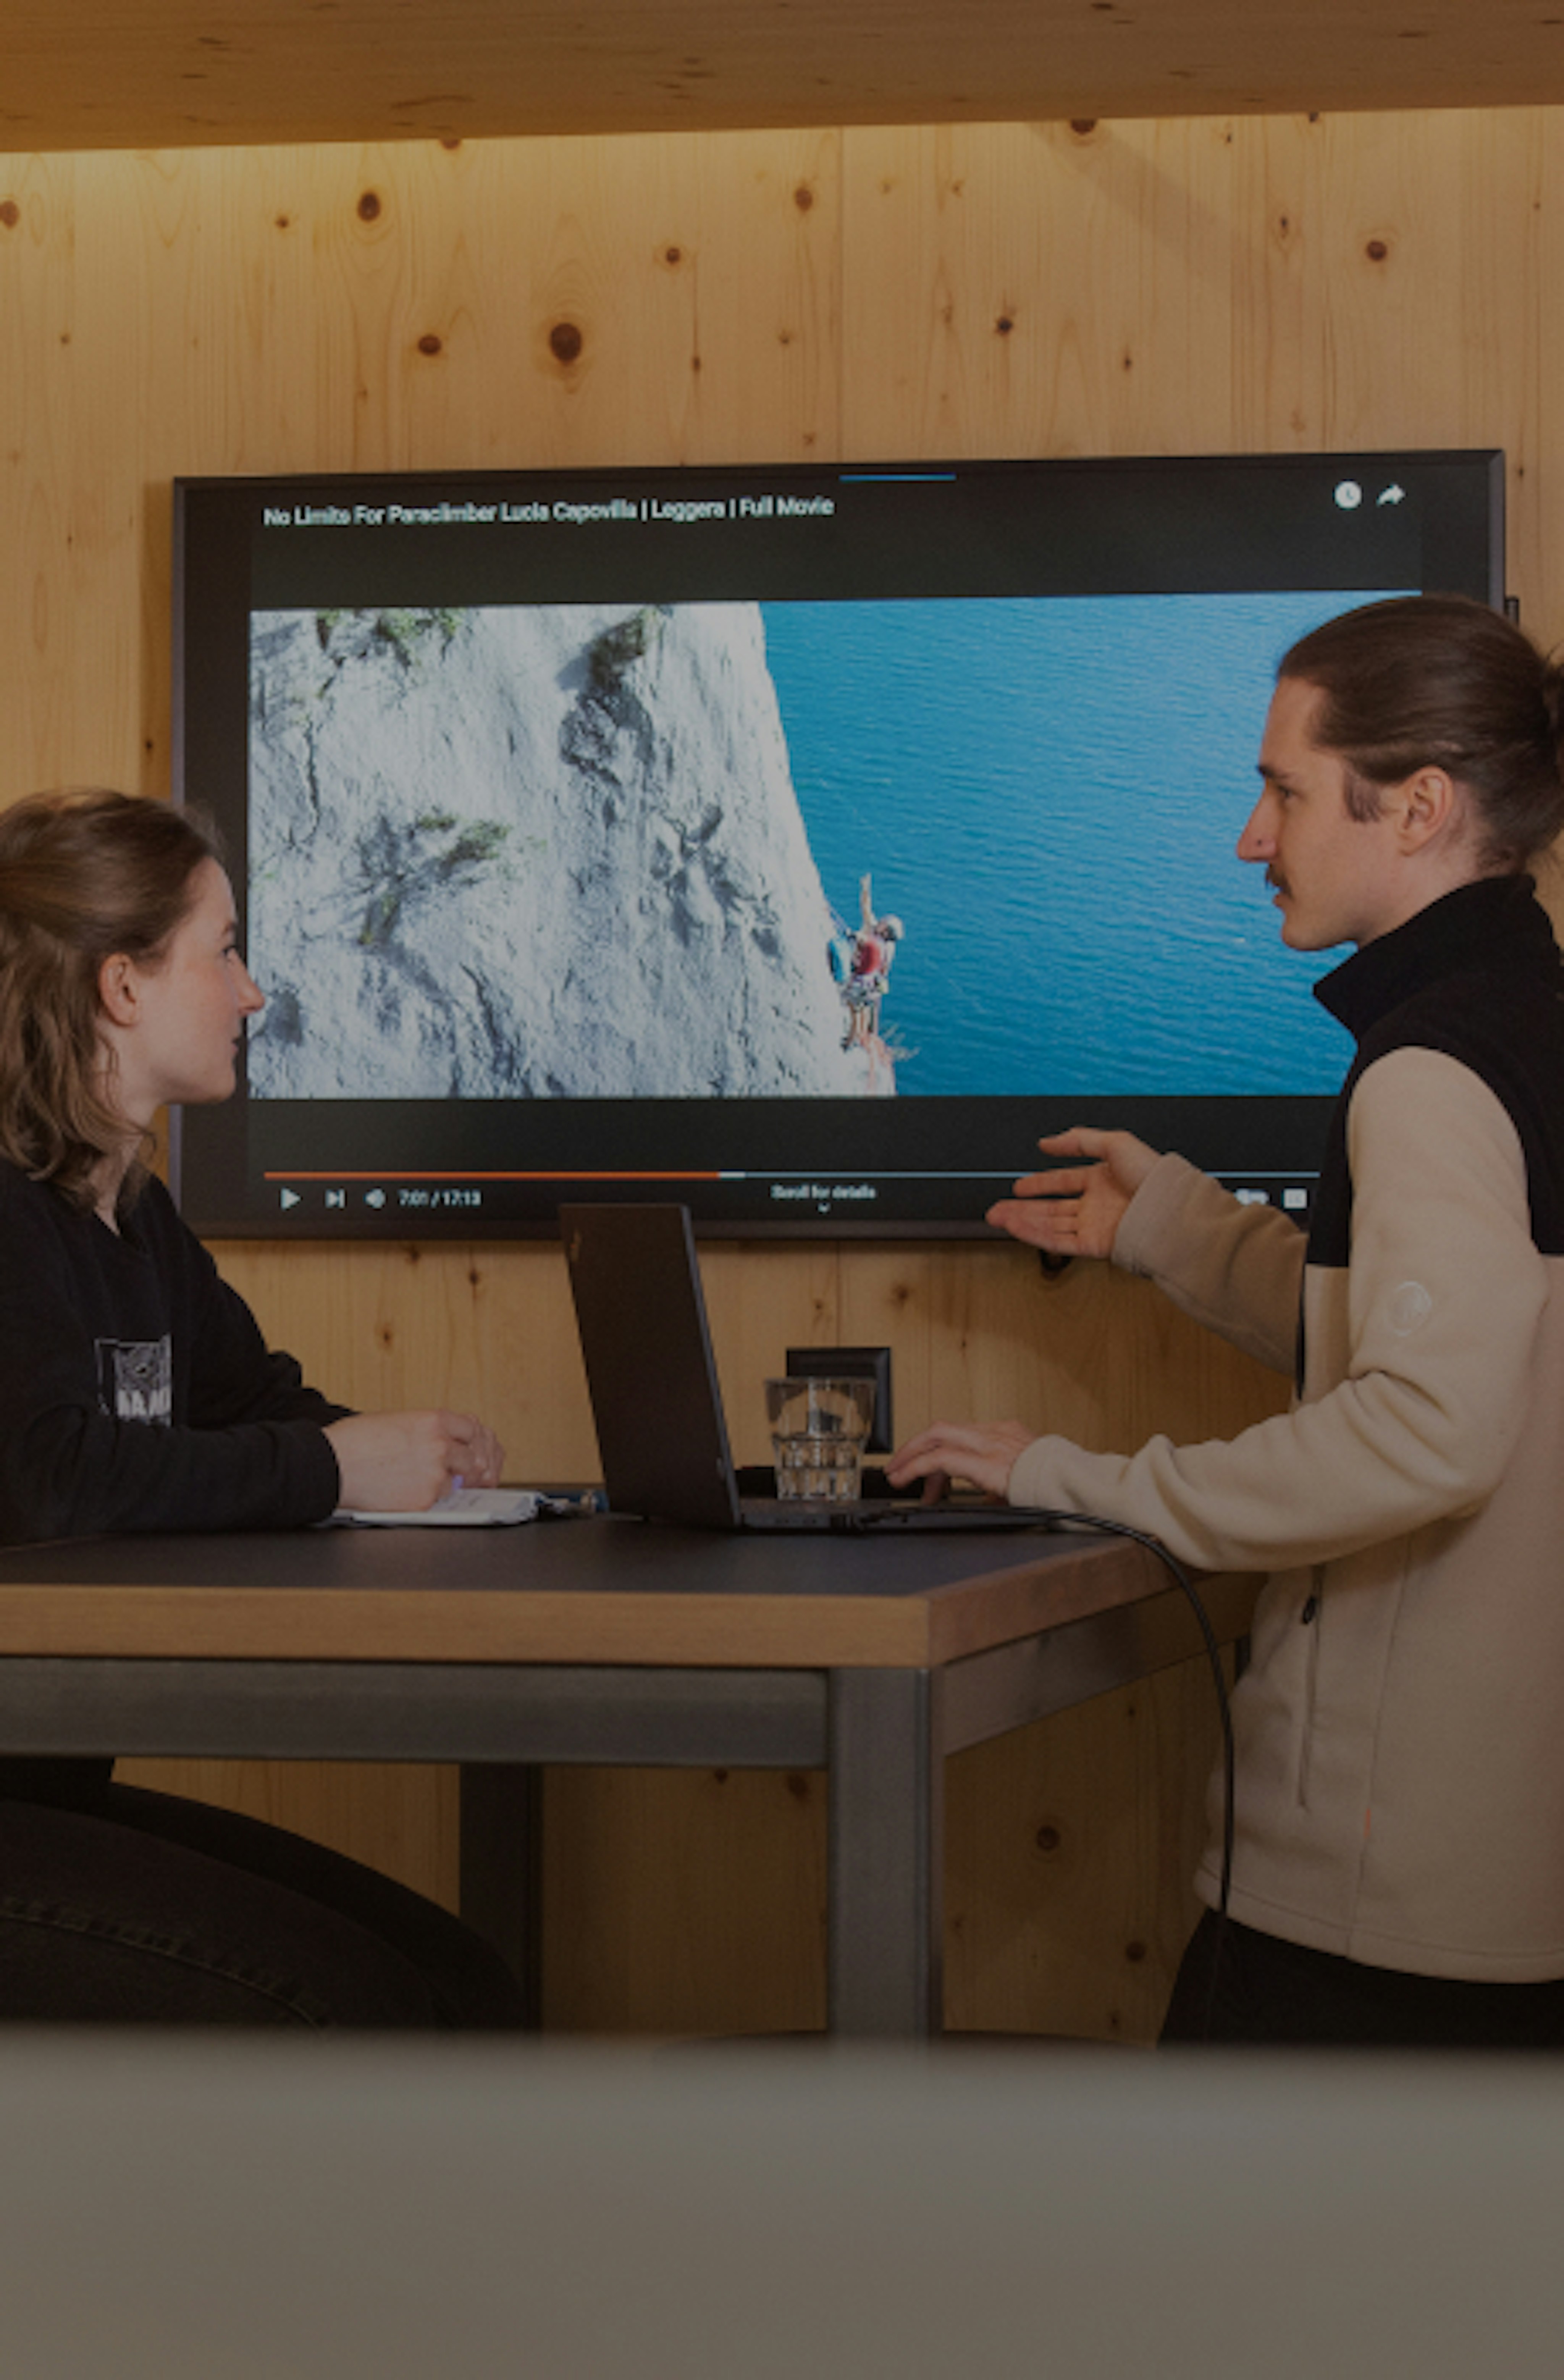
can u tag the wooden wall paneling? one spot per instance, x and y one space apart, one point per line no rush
598 302
1427 257
105 476
1037 289
1089 1354
1070 1849
1528 264
684 1900
1494 212
885 1303
397 1817
1140 283
38 323
1276 238
1373 276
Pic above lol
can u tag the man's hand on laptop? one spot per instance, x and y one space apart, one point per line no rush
406 1462
946 1451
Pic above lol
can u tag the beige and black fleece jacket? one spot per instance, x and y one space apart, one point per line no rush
1401 1728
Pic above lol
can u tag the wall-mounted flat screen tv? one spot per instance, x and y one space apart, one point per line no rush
799 843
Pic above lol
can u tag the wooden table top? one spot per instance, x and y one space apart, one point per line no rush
577 1591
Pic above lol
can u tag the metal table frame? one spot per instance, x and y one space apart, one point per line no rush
883 1734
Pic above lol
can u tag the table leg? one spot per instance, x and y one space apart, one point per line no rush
501 1868
887 1851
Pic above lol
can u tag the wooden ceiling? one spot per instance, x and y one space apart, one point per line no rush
101 74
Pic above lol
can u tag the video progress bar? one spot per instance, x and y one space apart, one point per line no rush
291 1173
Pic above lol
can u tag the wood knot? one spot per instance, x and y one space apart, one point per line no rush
673 255
10 213
804 198
1082 126
1378 251
798 1786
1048 1839
566 342
430 343
1005 326
1134 1952
369 206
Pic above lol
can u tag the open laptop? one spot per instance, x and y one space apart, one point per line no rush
662 1433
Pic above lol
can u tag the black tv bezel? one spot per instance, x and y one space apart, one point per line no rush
215 524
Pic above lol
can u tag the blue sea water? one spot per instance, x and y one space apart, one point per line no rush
1047 792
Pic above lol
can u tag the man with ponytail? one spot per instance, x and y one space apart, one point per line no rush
1398 1870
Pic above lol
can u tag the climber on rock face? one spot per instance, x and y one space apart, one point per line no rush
864 987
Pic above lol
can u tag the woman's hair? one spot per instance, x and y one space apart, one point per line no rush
1440 680
83 876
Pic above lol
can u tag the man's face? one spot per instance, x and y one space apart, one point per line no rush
1336 879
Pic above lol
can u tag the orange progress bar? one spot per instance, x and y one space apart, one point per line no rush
289 1173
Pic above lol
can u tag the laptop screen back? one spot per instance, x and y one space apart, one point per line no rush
649 1369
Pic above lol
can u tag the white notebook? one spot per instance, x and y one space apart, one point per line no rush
464 1508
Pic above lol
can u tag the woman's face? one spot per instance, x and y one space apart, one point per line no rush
177 1026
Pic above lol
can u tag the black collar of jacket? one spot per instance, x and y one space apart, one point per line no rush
1496 920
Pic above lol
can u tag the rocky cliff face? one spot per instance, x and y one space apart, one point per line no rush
529 853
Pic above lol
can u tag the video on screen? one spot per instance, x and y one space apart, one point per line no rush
770 850
797 841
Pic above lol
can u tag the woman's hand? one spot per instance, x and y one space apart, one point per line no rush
946 1451
1076 1211
406 1462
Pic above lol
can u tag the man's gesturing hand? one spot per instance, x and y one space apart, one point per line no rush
1076 1211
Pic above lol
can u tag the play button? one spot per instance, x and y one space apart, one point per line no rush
286 1198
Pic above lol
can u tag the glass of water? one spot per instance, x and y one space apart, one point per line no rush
818 1433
